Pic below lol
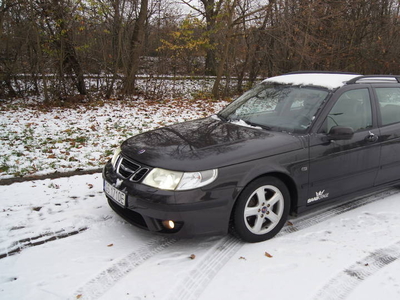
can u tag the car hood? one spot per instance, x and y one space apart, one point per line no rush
206 144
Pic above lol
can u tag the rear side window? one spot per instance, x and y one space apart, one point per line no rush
389 103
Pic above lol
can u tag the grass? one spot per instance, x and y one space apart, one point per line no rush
42 140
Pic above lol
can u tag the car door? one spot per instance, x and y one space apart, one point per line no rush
388 99
339 167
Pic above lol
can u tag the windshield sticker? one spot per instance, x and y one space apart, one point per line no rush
318 196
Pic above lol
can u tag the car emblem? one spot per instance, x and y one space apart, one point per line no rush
141 151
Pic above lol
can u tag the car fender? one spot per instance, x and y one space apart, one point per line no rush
271 168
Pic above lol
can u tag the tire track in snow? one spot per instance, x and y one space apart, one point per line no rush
194 283
100 284
40 239
346 281
198 279
325 213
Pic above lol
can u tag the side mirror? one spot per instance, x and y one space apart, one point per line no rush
338 133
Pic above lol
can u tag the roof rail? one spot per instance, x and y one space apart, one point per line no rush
375 78
322 72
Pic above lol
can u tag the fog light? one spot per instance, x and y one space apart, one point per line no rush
168 224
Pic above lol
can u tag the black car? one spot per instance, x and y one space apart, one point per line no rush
290 143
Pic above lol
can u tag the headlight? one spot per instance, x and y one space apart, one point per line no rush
194 180
180 181
115 157
163 179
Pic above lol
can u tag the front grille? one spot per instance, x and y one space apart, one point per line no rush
130 170
140 174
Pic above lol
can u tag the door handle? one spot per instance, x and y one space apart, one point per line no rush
372 137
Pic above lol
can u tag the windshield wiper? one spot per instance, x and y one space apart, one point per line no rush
222 117
257 125
251 123
264 126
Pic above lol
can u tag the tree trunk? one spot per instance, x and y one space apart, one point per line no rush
220 69
62 39
230 9
211 11
41 64
71 60
136 46
116 45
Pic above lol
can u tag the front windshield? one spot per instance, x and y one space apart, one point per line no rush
277 107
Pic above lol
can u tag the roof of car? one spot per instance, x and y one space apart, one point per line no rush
327 80
331 80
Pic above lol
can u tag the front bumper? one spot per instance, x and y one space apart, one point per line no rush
195 212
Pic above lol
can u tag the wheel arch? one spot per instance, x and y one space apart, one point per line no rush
285 178
291 185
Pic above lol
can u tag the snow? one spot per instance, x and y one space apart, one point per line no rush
330 81
36 142
59 239
347 251
244 124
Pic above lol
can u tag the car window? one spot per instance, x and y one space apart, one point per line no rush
352 109
261 100
277 107
389 102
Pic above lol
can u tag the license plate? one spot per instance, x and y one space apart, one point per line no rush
115 194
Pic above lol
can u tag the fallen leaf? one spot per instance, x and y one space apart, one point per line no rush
90 185
79 296
192 256
242 258
110 245
289 223
268 255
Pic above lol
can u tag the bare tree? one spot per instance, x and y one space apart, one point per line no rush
58 25
50 47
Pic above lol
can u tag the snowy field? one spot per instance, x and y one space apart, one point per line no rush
36 142
60 240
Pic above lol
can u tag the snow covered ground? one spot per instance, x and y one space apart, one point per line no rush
36 142
60 240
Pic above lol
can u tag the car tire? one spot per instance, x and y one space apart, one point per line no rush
261 210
